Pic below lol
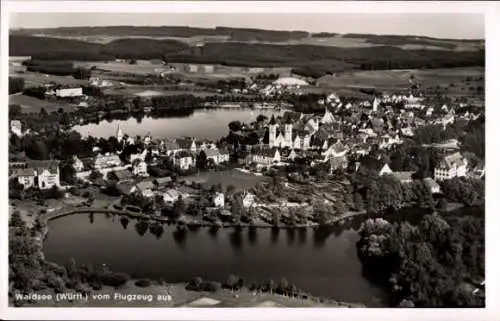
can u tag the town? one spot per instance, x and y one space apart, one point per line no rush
187 146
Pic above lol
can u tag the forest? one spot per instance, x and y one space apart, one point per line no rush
437 263
308 60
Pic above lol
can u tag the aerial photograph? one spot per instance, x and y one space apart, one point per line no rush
246 160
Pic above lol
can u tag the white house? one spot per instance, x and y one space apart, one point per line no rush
69 92
218 156
335 150
453 165
183 160
265 156
77 164
140 169
16 127
41 174
106 161
219 200
248 200
170 196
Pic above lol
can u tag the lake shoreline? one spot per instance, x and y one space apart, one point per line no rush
303 299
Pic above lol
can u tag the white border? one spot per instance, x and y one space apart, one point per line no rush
491 11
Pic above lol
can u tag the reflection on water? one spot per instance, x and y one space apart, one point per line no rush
315 260
206 124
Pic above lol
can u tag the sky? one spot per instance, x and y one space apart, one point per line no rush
440 25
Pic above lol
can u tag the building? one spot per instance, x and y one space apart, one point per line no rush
186 143
265 156
171 195
145 188
69 92
78 164
248 200
25 176
335 150
140 169
218 200
16 127
327 117
183 160
191 68
217 156
39 174
432 185
453 165
140 157
290 81
374 164
106 161
404 177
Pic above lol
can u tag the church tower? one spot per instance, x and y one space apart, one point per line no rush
272 134
375 105
119 134
288 135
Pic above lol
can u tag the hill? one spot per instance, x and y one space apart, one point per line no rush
310 60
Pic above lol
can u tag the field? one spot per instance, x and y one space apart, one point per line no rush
34 105
396 80
233 177
335 41
149 91
36 79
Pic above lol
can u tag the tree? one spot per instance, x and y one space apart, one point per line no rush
16 85
235 126
68 174
201 160
283 286
95 174
179 208
232 281
82 73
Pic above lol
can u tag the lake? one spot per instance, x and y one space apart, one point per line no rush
209 124
323 262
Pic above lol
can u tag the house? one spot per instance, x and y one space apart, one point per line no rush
448 119
432 185
290 156
403 177
126 187
218 156
169 147
327 117
145 188
140 156
16 127
106 161
183 160
380 167
170 196
123 175
218 200
40 174
338 163
186 143
69 92
78 164
140 169
162 182
478 171
335 150
452 165
25 176
248 200
265 156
